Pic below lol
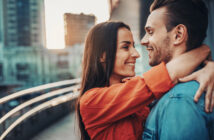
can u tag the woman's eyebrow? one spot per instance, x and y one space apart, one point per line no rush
126 42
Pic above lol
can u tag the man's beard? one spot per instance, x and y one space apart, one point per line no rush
162 55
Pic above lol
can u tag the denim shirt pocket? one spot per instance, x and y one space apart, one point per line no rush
148 134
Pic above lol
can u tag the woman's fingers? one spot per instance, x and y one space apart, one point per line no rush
125 79
208 98
188 78
199 92
212 103
205 78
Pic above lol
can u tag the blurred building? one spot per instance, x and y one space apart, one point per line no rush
66 63
25 18
1 23
22 43
128 12
1 41
77 27
68 60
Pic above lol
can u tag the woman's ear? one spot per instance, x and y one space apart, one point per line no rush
180 34
103 58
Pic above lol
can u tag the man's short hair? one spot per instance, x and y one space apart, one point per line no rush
191 13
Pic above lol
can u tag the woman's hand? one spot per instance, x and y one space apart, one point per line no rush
205 77
126 79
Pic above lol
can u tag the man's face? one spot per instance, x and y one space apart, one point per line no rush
157 39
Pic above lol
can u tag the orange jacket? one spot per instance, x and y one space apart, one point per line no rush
119 111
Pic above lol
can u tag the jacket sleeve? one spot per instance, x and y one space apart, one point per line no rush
105 105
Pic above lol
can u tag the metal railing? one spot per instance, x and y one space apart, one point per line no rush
46 100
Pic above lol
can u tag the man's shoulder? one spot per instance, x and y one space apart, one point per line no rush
185 89
187 85
181 94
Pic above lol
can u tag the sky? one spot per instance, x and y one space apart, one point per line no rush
54 10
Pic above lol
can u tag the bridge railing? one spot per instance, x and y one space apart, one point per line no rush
50 95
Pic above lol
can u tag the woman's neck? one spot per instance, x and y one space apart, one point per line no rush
114 79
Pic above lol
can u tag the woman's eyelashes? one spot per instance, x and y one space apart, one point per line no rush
126 47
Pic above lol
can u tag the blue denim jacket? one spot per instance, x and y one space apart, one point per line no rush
177 117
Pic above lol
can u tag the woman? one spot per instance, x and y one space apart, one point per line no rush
109 109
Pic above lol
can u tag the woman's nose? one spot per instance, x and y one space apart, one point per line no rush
135 53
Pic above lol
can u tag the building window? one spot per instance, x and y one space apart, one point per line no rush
1 71
34 20
35 37
22 71
22 66
34 3
12 20
19 4
11 2
22 76
63 64
11 8
63 76
11 14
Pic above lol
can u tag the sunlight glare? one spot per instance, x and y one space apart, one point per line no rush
54 10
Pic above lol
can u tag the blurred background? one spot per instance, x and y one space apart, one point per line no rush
42 42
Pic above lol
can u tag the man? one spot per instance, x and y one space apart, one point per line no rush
172 28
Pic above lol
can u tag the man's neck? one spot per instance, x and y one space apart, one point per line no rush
179 50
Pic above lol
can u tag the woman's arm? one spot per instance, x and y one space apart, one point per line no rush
109 104
205 76
186 63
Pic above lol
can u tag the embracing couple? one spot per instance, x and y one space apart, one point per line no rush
115 105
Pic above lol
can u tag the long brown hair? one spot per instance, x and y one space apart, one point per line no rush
101 39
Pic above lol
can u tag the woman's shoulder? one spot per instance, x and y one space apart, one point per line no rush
89 94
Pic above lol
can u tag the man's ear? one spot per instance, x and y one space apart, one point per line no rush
103 58
180 34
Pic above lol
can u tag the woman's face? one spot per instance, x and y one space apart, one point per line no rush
126 56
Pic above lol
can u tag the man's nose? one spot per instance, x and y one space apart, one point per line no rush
144 41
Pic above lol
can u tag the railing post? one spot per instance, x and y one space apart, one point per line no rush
3 126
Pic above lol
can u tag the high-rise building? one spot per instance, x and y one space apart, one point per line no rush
1 23
1 41
65 63
23 23
76 27
128 12
22 51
